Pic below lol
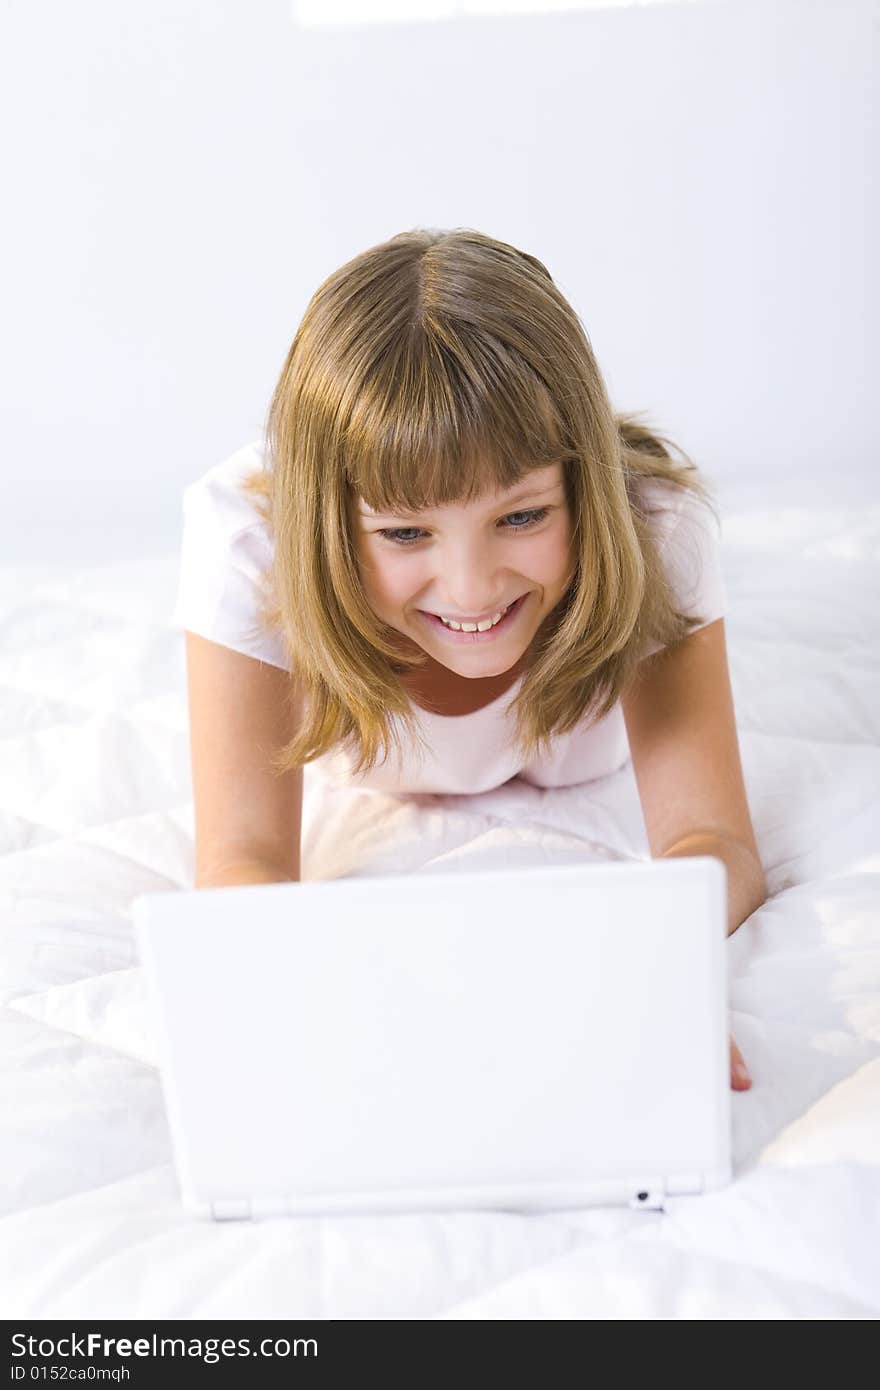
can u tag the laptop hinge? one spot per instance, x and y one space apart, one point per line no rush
649 1196
226 1210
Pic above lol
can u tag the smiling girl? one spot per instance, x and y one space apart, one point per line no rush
452 564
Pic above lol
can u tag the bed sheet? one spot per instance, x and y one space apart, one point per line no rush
95 808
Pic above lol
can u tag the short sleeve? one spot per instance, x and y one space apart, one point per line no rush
689 539
225 555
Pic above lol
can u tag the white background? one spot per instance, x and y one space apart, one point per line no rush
179 176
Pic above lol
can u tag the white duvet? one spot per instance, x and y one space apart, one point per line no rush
96 809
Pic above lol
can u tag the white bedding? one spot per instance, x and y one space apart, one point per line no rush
95 808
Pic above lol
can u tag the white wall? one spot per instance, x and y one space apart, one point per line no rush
179 177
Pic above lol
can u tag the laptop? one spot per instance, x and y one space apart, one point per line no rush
526 1039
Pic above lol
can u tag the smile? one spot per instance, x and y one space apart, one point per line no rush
489 634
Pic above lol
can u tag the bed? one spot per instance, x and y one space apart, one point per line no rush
96 809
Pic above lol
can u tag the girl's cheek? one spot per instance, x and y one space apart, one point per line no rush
551 555
394 577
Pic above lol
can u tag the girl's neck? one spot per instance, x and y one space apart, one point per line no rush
440 691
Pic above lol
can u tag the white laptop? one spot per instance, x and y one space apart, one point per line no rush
528 1039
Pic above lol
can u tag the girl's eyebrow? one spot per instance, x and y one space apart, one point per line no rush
528 496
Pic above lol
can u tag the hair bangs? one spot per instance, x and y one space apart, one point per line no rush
449 421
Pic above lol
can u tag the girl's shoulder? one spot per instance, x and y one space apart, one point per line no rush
687 531
218 502
682 522
226 559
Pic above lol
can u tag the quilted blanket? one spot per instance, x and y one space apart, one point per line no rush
96 809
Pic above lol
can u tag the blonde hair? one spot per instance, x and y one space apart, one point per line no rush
428 370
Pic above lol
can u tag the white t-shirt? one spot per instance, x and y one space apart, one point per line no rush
226 551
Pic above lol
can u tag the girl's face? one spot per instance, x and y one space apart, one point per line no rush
468 562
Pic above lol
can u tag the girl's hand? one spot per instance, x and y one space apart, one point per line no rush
739 1080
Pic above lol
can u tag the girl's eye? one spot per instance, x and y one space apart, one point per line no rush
398 536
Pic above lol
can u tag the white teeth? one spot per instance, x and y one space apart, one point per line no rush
474 627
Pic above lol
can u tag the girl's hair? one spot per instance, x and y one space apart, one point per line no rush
432 369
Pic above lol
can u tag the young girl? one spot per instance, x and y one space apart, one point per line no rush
451 565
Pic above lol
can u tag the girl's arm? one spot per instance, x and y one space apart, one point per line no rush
248 818
682 733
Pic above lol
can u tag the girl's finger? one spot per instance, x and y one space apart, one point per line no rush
740 1079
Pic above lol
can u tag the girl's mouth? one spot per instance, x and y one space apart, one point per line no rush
491 633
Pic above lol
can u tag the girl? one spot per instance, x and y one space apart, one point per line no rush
453 564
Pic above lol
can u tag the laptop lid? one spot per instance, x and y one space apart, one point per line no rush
523 1039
